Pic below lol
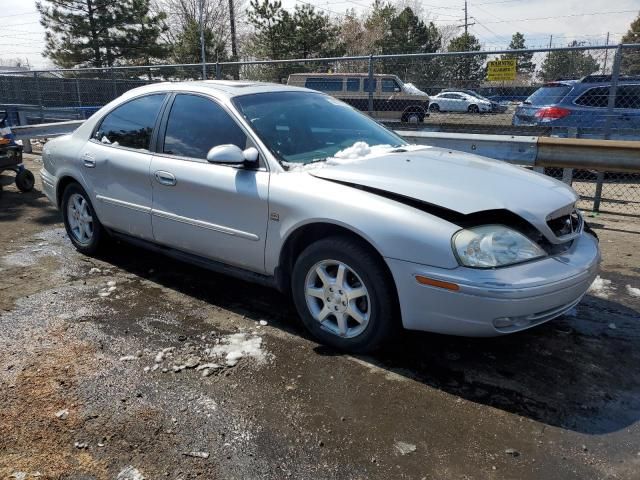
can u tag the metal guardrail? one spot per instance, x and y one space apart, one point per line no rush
609 155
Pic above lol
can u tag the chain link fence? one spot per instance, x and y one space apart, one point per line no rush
575 92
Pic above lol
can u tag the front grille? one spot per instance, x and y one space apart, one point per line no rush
566 225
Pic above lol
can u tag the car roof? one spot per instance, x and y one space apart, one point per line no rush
217 88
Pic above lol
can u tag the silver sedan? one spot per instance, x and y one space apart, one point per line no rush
294 189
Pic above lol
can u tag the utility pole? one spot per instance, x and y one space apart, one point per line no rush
204 60
466 19
232 27
604 66
550 41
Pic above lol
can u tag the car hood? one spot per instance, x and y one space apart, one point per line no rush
457 181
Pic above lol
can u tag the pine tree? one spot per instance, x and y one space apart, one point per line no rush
523 60
631 56
99 33
466 71
568 64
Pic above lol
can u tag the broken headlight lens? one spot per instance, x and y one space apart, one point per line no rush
493 246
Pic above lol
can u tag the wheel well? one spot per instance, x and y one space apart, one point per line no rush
414 109
305 236
63 183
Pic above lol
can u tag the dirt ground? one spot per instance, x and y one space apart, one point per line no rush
104 380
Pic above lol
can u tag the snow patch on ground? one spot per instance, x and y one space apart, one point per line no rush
601 288
130 473
237 346
634 292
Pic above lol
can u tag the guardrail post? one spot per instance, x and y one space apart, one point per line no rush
39 94
611 105
370 106
567 173
218 71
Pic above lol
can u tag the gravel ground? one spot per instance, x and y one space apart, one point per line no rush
134 366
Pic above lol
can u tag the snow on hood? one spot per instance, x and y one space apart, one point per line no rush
411 89
355 153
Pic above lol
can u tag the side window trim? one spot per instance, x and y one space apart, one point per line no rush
156 124
164 121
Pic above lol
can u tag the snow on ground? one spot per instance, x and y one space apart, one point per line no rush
130 473
237 346
634 292
601 288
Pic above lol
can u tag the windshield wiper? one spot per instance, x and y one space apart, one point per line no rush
526 102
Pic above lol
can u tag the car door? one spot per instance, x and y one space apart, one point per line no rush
458 102
627 117
211 210
116 163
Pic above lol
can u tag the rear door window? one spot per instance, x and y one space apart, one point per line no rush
196 125
353 84
594 97
324 84
549 94
628 96
131 124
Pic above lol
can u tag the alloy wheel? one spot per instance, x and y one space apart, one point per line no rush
337 298
80 219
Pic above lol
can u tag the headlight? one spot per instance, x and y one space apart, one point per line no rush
493 246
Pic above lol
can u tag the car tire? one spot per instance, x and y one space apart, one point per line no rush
81 222
25 180
473 109
434 107
365 298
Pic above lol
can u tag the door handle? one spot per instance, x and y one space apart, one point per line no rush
88 160
165 178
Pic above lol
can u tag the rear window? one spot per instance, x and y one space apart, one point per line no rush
549 94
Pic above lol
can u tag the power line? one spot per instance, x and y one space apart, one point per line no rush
561 16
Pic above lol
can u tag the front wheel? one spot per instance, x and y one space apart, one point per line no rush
344 295
83 227
25 180
434 107
473 109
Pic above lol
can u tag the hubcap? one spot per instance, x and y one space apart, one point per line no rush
337 298
79 218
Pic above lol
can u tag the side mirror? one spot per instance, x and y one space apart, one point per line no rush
396 89
231 154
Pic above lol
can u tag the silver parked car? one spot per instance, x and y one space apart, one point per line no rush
295 189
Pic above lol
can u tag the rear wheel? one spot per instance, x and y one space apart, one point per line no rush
83 227
344 295
434 107
25 180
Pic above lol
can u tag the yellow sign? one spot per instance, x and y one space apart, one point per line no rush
501 70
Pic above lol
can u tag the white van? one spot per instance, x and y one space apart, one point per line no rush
392 99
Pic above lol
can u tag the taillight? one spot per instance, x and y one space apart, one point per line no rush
548 114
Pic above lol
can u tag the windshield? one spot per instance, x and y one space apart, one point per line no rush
301 127
548 95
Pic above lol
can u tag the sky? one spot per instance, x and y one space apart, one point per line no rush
495 21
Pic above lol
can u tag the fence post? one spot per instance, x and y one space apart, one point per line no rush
113 82
218 71
611 105
39 96
370 107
